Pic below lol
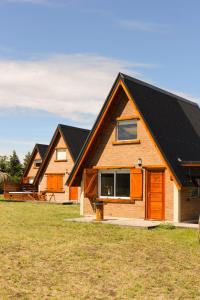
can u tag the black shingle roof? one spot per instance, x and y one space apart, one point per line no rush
173 121
74 137
42 149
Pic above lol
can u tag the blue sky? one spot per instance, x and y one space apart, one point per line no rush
58 59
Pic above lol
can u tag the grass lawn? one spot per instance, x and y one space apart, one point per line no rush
44 257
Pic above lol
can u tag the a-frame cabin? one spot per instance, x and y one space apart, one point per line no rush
59 160
142 157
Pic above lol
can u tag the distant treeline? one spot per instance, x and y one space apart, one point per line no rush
12 165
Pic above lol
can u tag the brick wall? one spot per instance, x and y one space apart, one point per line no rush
58 167
104 153
33 170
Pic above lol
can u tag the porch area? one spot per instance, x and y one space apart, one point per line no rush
138 223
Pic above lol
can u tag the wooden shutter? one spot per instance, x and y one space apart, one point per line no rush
55 183
90 183
50 183
136 184
59 183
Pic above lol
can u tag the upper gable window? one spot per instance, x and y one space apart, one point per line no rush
61 154
37 163
127 130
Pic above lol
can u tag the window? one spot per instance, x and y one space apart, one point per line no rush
37 163
61 154
126 130
114 183
195 191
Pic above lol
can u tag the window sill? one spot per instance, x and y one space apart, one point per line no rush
116 200
126 142
60 160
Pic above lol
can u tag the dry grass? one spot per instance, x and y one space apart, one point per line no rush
44 257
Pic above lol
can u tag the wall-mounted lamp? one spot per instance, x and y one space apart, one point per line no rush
139 162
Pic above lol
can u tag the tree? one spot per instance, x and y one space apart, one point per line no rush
4 177
15 167
4 164
26 160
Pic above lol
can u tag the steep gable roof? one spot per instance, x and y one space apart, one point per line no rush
173 122
41 149
74 139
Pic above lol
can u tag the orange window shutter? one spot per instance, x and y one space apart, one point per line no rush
91 183
49 182
136 184
60 183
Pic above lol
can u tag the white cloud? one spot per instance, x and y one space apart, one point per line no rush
142 25
71 86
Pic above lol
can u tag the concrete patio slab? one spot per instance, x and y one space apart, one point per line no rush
140 223
187 225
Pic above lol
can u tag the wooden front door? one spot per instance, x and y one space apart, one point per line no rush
155 195
73 193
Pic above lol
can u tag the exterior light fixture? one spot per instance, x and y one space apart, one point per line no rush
139 162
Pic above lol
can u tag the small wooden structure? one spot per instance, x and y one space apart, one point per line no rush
22 192
99 211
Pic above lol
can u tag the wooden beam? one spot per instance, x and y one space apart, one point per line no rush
113 167
124 118
115 200
128 142
191 165
153 167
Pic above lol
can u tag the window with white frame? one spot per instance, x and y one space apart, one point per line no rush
37 163
114 183
126 130
61 154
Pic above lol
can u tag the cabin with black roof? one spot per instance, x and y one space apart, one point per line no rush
34 164
142 156
59 160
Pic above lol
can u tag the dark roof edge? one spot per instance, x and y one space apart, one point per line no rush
156 140
66 142
122 76
45 157
79 128
159 89
31 158
92 130
58 129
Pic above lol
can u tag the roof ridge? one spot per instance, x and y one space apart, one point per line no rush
158 89
41 144
69 126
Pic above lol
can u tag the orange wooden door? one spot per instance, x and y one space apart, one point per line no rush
155 195
73 193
